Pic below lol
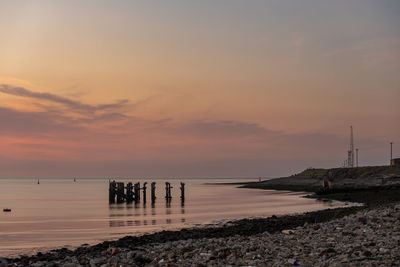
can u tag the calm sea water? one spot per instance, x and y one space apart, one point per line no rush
63 213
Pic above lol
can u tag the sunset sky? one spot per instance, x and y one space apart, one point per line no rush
196 88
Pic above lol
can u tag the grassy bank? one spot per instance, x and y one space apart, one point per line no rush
372 185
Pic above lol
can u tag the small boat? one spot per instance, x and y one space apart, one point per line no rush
6 210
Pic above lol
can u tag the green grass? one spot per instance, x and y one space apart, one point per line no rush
313 173
356 172
337 173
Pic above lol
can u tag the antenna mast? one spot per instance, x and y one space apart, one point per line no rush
350 154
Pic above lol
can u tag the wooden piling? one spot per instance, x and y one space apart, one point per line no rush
111 191
120 192
130 196
153 192
168 190
182 191
117 192
144 188
137 192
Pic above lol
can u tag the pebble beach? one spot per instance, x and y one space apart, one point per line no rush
355 235
369 237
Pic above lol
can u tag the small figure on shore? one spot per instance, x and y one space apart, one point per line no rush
38 181
327 182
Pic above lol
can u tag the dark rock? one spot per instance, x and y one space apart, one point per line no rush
362 220
142 261
367 253
328 251
316 226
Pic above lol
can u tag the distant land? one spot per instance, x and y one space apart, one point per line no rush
357 184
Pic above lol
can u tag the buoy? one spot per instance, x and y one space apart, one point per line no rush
6 210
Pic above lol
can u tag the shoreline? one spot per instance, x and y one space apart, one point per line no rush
371 197
337 237
242 227
107 251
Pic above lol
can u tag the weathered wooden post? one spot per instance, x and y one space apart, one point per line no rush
120 192
153 192
129 193
111 191
144 192
137 192
182 191
168 191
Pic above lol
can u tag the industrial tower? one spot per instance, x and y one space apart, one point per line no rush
350 152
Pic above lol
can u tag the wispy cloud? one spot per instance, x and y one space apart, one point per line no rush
72 104
111 139
22 124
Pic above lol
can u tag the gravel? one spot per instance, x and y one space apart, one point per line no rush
370 237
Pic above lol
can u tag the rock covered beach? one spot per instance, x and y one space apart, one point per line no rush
352 236
370 237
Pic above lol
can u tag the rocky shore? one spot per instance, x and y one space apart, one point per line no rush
340 179
352 236
370 237
245 227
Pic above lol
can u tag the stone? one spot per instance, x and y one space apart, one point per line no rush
316 226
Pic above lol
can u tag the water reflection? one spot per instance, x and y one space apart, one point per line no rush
182 207
168 207
146 215
47 215
183 220
144 209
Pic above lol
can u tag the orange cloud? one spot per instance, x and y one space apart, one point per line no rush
118 143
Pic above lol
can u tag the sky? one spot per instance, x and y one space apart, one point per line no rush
223 88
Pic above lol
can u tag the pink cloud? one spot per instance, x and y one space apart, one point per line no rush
56 142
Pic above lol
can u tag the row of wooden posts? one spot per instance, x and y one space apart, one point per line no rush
120 193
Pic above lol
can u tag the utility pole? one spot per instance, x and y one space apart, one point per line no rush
356 157
391 153
350 152
352 147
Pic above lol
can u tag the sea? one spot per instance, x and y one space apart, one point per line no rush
59 213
